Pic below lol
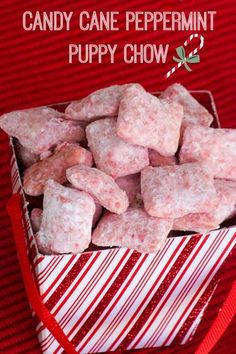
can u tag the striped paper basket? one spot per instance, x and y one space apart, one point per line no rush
119 299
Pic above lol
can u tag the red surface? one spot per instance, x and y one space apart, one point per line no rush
34 70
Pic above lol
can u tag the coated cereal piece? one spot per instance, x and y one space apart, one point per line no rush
194 112
134 229
158 160
131 185
111 154
54 167
39 129
226 192
98 212
215 147
101 103
195 222
36 219
225 208
174 191
100 185
147 121
67 220
25 156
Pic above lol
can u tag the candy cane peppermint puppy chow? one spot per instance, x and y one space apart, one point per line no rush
39 129
225 208
226 193
99 185
101 103
147 121
67 220
196 222
174 191
98 207
215 147
134 229
194 112
54 167
111 154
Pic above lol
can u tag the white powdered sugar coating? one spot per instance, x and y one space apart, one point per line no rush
225 208
39 129
134 229
98 207
54 167
111 154
99 185
174 191
101 103
67 220
194 112
147 121
215 147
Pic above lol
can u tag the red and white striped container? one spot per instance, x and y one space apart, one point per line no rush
119 299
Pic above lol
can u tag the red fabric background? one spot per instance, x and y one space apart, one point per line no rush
34 71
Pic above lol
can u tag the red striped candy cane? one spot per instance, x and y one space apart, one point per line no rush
195 51
195 35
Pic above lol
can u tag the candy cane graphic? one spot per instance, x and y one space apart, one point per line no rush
196 50
195 35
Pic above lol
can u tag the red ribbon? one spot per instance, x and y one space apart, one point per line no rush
220 324
14 209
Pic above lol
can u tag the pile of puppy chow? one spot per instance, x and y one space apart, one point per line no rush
122 167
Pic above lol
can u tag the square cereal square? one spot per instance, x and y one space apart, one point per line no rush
111 154
194 112
215 147
174 191
147 121
134 229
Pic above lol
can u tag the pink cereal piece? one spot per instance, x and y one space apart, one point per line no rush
225 208
100 185
101 103
131 185
98 210
134 229
111 154
36 219
67 220
54 167
194 112
39 129
215 147
147 121
174 191
195 222
25 156
158 160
